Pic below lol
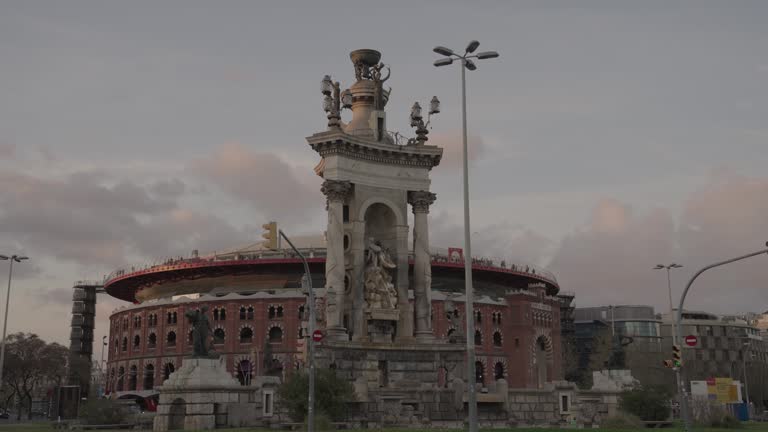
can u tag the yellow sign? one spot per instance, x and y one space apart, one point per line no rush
723 390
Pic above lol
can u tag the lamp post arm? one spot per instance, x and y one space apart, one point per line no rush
679 325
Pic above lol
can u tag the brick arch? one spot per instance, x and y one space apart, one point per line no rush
504 364
501 335
544 336
272 325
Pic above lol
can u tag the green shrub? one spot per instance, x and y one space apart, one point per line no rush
650 403
331 395
622 421
322 423
725 421
102 412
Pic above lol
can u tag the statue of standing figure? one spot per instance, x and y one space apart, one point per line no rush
201 329
380 293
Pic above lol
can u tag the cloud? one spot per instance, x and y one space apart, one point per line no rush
90 219
7 151
609 261
511 242
453 149
263 180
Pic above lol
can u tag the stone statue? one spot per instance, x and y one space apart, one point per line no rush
201 328
379 99
380 293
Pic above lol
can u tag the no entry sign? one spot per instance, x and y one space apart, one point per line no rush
691 340
317 336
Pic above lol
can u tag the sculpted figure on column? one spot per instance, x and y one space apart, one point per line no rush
380 293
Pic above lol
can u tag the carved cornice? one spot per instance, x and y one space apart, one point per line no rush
421 200
327 144
336 190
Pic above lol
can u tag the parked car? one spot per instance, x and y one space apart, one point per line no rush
4 415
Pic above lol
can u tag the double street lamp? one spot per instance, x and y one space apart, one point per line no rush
12 259
466 62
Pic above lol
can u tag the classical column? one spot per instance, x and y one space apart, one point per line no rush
405 323
422 266
336 191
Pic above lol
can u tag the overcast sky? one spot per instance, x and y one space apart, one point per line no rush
608 137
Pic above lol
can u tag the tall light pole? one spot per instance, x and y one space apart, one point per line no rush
12 258
744 348
306 282
675 336
683 398
467 63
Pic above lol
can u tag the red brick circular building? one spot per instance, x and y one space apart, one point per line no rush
258 312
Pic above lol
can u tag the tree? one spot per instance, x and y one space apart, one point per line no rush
331 394
648 403
29 364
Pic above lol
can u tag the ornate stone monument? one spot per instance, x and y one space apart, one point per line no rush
378 318
201 394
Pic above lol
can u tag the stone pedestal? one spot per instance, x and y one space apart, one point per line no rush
198 394
381 324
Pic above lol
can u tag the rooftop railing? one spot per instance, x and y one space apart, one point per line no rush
439 256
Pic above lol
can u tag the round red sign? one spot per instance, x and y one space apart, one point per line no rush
317 336
691 340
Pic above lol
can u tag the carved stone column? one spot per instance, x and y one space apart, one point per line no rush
422 265
337 192
405 323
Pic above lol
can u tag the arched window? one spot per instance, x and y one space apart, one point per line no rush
222 314
120 378
246 335
138 322
170 318
152 340
215 314
478 317
174 318
478 337
279 311
242 313
275 335
250 312
218 336
136 342
168 369
132 378
498 371
479 373
117 346
271 312
301 312
149 377
171 338
125 343
496 339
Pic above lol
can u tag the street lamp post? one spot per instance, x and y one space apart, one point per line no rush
745 347
679 320
675 335
12 258
467 63
306 282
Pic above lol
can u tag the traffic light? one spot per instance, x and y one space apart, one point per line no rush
668 364
270 235
677 358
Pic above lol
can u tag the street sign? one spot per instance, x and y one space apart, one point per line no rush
317 336
691 340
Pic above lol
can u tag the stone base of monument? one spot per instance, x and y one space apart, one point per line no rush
398 384
202 395
381 324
